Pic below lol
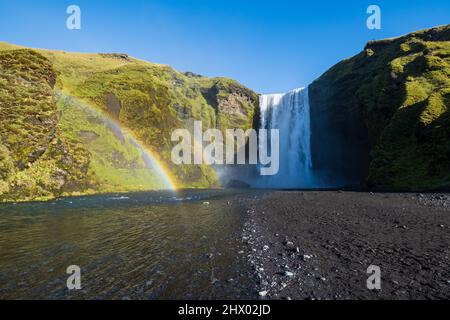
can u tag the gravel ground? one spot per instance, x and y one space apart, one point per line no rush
319 245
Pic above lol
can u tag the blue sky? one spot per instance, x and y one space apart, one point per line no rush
270 46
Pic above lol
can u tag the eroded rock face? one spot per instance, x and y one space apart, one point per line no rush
113 105
235 105
119 56
27 106
88 136
232 105
35 163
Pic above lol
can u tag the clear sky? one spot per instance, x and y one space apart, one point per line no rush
270 46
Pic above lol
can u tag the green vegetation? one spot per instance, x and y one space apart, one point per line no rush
56 138
396 92
35 161
116 163
152 100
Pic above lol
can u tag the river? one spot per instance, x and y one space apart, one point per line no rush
154 245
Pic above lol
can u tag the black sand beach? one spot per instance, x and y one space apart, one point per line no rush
318 245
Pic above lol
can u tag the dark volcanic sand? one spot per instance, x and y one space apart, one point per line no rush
327 240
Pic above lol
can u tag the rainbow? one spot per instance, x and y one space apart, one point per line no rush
151 158
154 160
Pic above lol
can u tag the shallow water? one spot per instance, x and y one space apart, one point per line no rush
140 246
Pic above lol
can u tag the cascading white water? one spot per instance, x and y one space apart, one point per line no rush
290 113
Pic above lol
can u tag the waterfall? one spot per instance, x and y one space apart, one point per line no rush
290 113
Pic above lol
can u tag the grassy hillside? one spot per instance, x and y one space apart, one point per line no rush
391 100
147 100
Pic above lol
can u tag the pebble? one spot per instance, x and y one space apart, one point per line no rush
265 248
262 293
288 244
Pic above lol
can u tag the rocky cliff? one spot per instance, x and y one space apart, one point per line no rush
381 118
36 161
76 123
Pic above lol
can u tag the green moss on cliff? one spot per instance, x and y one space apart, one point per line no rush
153 100
47 151
396 93
35 161
116 162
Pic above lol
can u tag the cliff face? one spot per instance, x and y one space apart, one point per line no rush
59 113
36 161
382 118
